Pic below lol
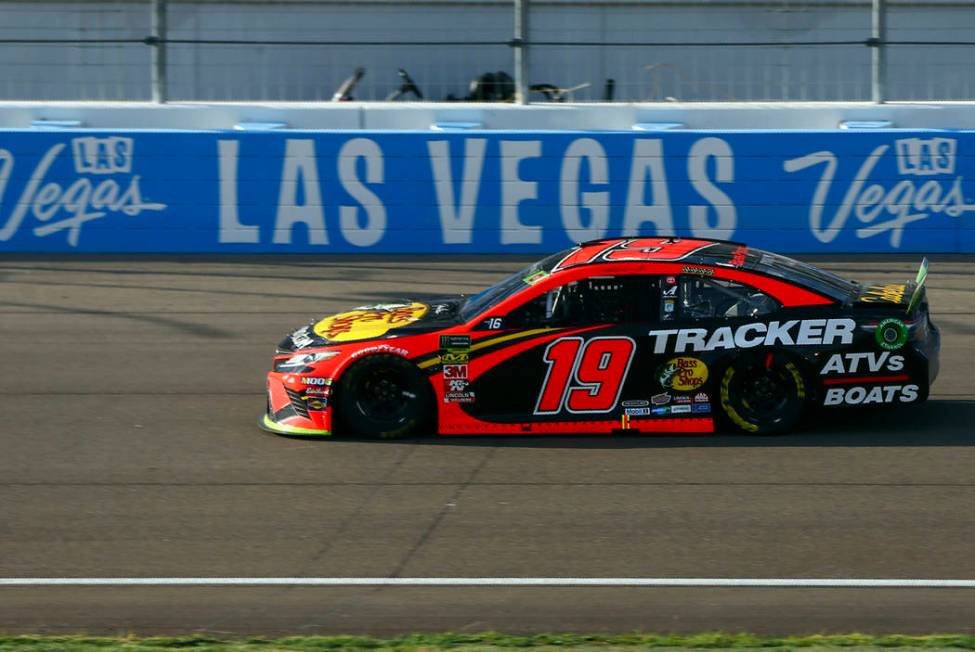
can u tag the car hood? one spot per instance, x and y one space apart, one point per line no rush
376 322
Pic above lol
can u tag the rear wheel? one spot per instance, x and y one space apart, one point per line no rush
383 396
763 395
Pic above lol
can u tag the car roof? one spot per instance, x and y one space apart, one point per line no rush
703 252
655 249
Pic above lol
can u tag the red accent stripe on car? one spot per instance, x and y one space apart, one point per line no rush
859 380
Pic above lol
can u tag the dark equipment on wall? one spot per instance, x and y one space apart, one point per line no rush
555 93
407 86
344 92
491 87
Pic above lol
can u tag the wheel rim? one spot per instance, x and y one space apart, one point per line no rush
762 395
381 396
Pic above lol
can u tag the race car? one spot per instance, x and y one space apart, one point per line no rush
642 335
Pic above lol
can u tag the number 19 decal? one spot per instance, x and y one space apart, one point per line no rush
584 376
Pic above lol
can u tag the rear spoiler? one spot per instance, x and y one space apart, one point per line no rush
922 276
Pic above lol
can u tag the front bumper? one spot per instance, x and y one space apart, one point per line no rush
296 408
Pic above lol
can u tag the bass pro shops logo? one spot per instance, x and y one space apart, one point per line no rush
881 203
102 183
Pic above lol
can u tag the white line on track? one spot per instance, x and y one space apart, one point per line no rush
494 581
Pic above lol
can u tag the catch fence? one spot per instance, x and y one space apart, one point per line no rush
487 50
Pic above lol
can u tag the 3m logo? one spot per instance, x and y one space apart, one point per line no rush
925 157
455 371
112 155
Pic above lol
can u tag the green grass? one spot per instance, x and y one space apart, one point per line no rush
491 642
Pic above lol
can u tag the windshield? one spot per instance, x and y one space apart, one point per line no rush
510 286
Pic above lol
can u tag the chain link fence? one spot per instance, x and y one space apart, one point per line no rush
484 50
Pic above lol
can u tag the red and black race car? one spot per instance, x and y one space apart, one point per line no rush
627 334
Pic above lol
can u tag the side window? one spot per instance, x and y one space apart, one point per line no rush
597 300
710 298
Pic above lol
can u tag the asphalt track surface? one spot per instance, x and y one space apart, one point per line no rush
129 448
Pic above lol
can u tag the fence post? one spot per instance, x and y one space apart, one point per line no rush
878 53
520 45
157 40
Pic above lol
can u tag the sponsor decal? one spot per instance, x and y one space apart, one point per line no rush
455 371
865 396
893 293
302 338
671 280
316 381
683 400
455 342
670 291
318 391
738 257
852 363
701 408
380 348
683 374
886 205
638 403
660 410
703 271
701 397
680 409
104 185
317 404
660 399
891 334
535 277
441 308
794 332
638 412
454 358
669 305
369 321
456 385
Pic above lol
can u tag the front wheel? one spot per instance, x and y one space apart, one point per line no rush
763 395
383 396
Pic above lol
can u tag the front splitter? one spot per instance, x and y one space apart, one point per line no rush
281 429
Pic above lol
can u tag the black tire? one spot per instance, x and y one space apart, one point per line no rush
763 395
383 396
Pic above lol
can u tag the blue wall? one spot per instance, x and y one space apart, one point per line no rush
516 192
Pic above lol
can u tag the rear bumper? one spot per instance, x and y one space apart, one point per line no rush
932 351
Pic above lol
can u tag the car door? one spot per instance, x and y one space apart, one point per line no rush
572 353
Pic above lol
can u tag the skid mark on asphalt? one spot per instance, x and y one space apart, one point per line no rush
200 330
360 509
700 582
344 528
382 485
448 506
155 288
